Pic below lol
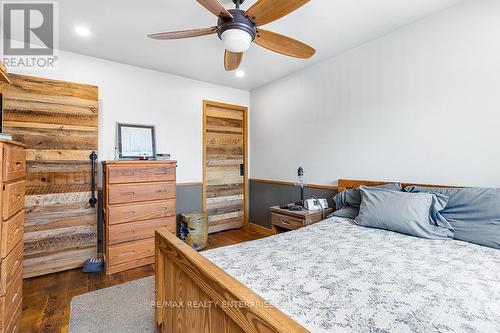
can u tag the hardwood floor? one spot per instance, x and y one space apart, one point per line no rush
47 298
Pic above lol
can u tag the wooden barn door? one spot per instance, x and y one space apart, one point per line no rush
225 165
58 122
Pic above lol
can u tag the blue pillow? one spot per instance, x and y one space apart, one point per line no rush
347 212
352 197
474 213
416 214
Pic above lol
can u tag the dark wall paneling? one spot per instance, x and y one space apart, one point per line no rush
100 222
189 198
264 195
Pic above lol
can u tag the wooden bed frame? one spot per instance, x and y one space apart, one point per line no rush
194 295
345 184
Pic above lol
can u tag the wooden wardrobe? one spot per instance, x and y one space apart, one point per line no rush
13 162
138 197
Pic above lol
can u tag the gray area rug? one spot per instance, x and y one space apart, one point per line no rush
123 308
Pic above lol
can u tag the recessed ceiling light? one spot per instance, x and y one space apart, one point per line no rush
240 73
82 31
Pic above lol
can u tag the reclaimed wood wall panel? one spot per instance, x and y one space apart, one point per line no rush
58 122
224 153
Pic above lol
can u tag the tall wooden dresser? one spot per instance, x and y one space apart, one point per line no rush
138 197
13 161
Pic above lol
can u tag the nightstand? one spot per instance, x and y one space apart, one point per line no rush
284 220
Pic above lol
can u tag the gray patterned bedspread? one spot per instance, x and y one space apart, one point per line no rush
335 276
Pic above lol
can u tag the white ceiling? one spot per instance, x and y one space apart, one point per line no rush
119 30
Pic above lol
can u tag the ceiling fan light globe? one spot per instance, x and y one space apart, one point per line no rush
236 40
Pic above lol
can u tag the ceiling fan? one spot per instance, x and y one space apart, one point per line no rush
238 29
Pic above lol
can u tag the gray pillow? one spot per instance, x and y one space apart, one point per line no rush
352 197
415 214
474 213
347 212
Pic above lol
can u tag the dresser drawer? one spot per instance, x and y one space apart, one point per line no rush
14 161
287 222
12 198
15 324
143 173
11 301
127 232
125 193
141 211
111 269
121 253
10 266
12 233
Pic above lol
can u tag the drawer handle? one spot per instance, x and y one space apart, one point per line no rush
18 165
18 195
162 209
13 298
16 263
162 172
161 191
128 193
130 174
131 213
285 222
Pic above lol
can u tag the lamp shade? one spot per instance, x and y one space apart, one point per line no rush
236 40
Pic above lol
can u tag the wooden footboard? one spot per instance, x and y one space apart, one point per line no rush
194 295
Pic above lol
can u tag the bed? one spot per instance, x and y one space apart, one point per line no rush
332 276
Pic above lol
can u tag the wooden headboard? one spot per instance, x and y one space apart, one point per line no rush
345 184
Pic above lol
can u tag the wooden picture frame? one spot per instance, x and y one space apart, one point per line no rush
135 141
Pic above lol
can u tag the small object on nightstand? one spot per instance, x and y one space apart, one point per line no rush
300 173
290 206
285 219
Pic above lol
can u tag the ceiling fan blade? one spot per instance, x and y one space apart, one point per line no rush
184 33
215 7
232 60
266 11
283 44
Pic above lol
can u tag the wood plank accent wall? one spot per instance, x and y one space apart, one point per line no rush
58 122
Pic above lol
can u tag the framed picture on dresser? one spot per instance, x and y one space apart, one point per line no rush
135 141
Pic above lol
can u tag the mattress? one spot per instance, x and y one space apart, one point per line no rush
335 276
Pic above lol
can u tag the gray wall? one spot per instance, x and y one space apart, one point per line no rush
265 195
189 198
373 111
